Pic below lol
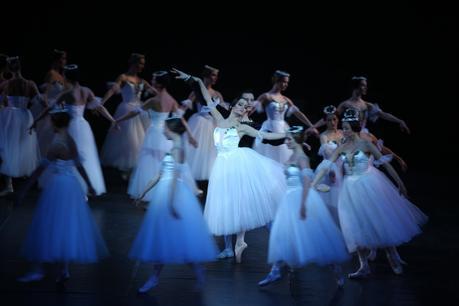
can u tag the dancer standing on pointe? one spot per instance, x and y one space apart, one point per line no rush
244 186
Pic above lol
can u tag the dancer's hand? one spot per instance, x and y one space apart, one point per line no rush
193 141
332 176
91 191
174 213
180 75
32 127
303 212
312 131
136 202
115 126
307 146
402 190
404 127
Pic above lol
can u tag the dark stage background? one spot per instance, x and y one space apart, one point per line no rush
409 56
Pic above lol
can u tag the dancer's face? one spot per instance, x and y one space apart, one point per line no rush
331 121
282 83
212 78
140 65
240 107
347 130
363 87
63 60
290 142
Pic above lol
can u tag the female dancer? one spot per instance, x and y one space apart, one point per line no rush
62 228
173 230
155 144
20 154
277 106
244 187
54 85
202 125
303 231
121 148
372 213
77 98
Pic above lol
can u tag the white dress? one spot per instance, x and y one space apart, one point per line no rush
371 211
63 229
165 239
316 239
275 123
81 132
154 148
20 154
121 147
202 158
244 187
45 129
331 197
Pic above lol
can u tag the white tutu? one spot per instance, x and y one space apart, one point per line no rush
121 147
45 129
330 198
63 228
81 133
154 148
371 211
298 242
20 153
279 153
202 158
244 187
165 239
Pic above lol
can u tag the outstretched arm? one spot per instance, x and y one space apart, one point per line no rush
114 89
245 129
205 93
377 155
150 185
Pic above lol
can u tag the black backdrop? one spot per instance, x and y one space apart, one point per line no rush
409 56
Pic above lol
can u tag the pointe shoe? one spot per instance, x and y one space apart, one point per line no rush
272 277
151 283
63 277
7 190
362 272
372 255
238 251
31 277
226 253
340 281
395 264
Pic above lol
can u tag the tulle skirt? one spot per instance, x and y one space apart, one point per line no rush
121 147
279 153
244 191
373 214
298 242
330 198
19 153
165 239
63 229
81 133
155 146
202 158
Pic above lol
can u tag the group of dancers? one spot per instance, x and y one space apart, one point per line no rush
258 176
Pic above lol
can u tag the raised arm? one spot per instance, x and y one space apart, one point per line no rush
389 117
205 93
114 89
